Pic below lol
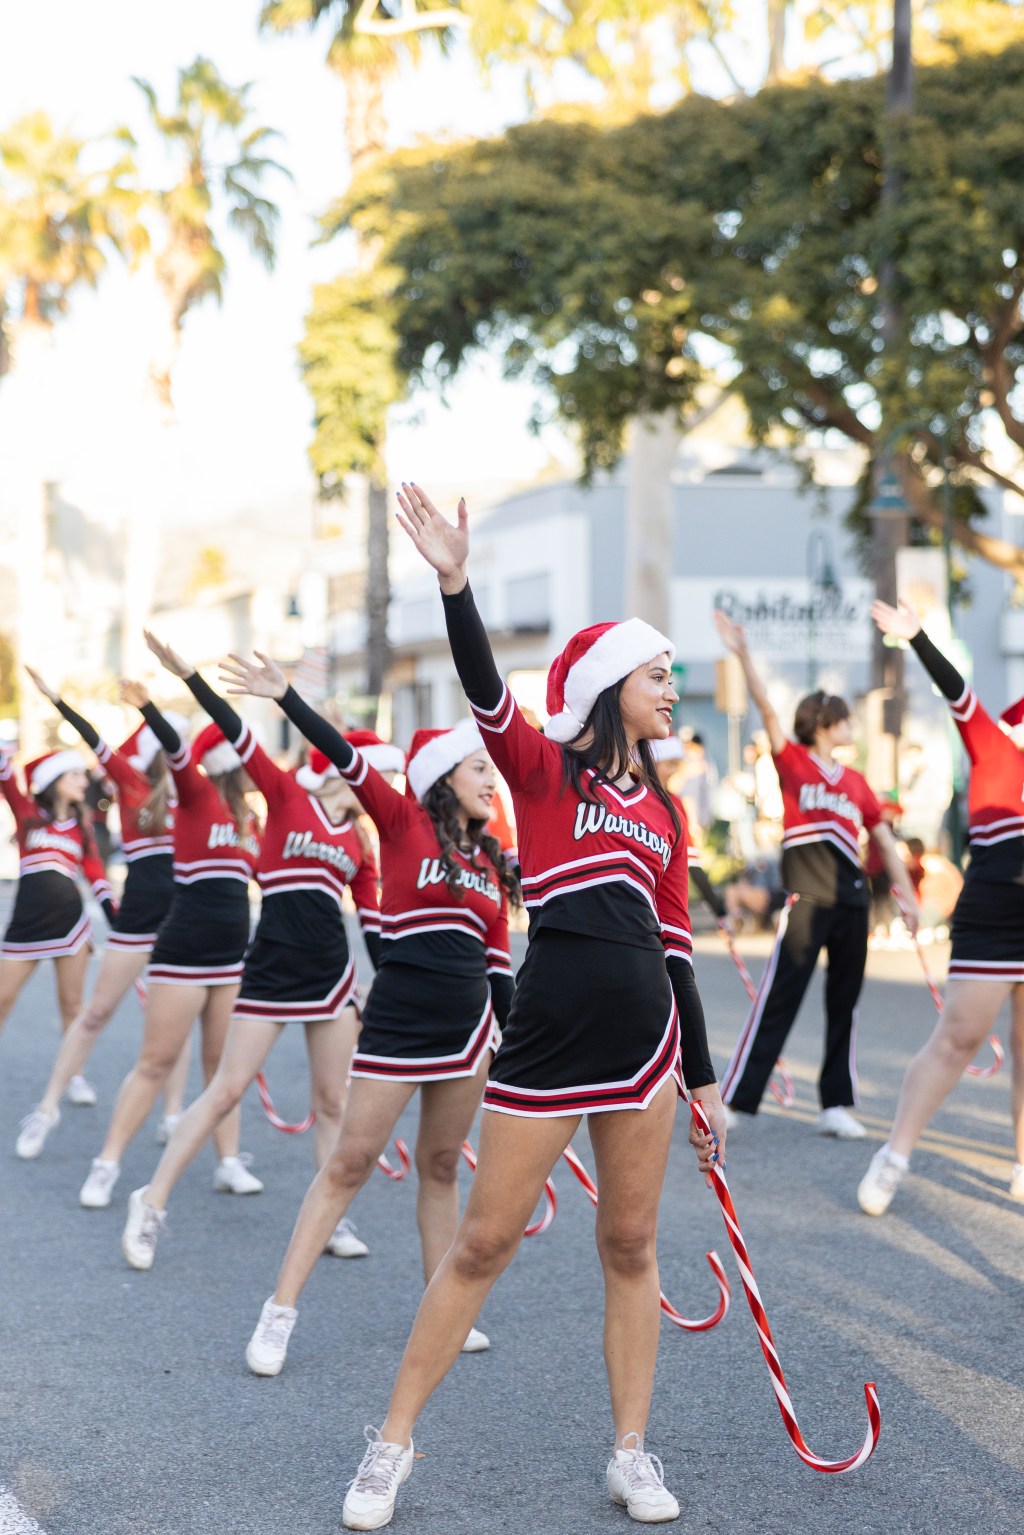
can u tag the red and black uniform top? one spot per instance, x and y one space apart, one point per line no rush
306 860
133 790
47 846
611 865
423 922
995 795
826 806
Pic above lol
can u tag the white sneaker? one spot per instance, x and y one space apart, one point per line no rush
1017 1182
141 1229
165 1129
883 1177
233 1176
840 1123
636 1479
81 1093
268 1347
35 1127
344 1243
370 1500
476 1343
98 1187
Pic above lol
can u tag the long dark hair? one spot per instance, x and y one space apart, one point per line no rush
153 813
231 788
610 756
46 805
442 805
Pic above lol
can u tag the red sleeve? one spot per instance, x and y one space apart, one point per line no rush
193 787
525 758
365 889
272 782
978 730
673 902
392 813
788 761
869 805
22 807
132 786
499 959
92 868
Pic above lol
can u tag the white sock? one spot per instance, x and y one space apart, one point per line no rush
901 1162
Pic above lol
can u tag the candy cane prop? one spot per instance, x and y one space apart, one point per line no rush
141 992
550 1197
667 1307
396 1174
767 1342
997 1049
272 1114
780 1082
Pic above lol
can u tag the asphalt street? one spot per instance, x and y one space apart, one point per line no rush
126 1407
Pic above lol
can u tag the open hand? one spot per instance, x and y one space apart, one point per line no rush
41 685
132 693
901 622
444 547
168 658
244 677
732 634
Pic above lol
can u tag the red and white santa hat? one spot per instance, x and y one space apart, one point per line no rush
595 659
669 750
1012 720
43 771
214 751
433 753
142 745
379 754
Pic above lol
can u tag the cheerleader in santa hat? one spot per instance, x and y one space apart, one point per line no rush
299 968
606 1019
986 965
441 992
143 786
196 963
55 847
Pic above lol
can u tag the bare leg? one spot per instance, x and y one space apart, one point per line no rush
249 1042
118 970
1017 1071
330 1047
13 975
177 1080
371 1115
516 1155
446 1115
215 1020
70 973
170 1013
631 1152
971 1009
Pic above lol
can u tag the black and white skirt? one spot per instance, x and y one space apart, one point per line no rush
202 941
988 932
593 1027
285 984
145 902
424 1025
48 920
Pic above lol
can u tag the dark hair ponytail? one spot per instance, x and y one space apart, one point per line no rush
609 754
442 805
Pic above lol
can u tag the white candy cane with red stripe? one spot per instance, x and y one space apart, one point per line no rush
550 1197
993 1039
272 1114
667 1307
396 1174
767 1342
141 992
781 1083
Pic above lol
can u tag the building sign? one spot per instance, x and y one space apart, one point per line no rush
785 620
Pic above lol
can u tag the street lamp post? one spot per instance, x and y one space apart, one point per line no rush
888 512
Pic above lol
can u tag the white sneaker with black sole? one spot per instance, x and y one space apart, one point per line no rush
141 1229
233 1176
636 1480
99 1186
35 1127
343 1242
267 1349
370 1500
476 1343
81 1093
886 1171
840 1122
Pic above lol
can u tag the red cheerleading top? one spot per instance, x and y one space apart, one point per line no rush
133 790
825 808
56 847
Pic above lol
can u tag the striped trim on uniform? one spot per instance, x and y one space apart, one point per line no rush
1006 971
131 943
194 975
313 1010
426 1068
52 948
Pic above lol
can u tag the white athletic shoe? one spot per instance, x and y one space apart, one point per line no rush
636 1479
343 1242
81 1093
141 1229
884 1175
98 1187
165 1129
1017 1182
476 1343
268 1347
840 1123
233 1176
35 1127
370 1500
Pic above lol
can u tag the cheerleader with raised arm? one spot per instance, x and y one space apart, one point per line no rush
196 963
298 970
139 774
986 965
439 997
606 1019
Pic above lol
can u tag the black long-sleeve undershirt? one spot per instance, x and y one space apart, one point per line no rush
161 728
317 731
218 708
939 667
90 735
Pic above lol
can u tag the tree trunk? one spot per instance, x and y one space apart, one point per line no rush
776 41
655 440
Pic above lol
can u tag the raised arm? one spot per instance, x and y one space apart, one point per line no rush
903 623
90 735
735 640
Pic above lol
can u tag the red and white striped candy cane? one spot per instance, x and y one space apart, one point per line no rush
667 1307
767 1342
141 992
781 1083
993 1039
396 1174
272 1114
550 1197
